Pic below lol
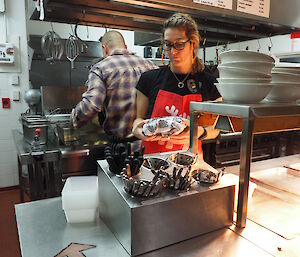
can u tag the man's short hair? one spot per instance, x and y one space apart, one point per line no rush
112 39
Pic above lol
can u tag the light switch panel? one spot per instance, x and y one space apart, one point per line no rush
2 5
16 96
14 79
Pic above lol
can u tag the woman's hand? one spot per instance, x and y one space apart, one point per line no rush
137 128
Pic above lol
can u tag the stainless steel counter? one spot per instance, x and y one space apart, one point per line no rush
43 231
55 162
83 148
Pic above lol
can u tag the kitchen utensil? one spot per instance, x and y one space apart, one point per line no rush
118 158
207 176
52 46
83 45
32 97
180 178
72 49
183 159
243 92
240 56
144 185
155 163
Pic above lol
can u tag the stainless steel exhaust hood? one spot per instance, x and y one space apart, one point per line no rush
215 24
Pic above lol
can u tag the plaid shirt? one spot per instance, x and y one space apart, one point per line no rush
111 87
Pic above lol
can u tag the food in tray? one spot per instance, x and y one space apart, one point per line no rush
164 126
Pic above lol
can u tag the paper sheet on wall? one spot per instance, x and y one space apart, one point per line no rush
256 7
226 4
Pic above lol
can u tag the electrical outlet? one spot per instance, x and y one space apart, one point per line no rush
16 96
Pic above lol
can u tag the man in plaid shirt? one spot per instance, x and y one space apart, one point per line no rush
111 87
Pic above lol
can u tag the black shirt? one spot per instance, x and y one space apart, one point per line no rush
163 79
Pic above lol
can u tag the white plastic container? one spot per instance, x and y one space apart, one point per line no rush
80 199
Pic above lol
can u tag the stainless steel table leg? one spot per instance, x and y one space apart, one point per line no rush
39 180
195 116
21 181
31 181
245 160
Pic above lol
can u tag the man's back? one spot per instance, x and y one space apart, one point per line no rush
120 73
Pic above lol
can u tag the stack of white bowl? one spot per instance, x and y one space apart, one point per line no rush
245 76
285 82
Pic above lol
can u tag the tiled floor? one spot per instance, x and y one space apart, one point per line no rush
9 241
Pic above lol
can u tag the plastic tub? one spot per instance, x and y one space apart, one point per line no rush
80 198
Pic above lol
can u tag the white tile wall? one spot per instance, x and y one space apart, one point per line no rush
16 26
8 180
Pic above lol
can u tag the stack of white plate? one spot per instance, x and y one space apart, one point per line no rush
285 82
245 76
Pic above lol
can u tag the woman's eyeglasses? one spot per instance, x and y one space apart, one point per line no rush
177 45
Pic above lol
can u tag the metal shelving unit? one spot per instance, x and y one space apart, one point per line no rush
256 119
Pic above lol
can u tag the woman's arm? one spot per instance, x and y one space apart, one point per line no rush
142 104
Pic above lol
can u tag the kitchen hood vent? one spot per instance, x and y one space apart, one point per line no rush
217 25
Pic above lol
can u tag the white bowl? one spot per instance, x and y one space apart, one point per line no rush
285 77
295 71
243 92
244 56
284 92
233 72
244 80
263 67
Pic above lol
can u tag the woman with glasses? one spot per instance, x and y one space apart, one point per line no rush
167 91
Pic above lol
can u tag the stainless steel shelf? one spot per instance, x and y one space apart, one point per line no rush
256 118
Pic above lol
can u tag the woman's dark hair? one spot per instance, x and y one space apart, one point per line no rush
189 25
